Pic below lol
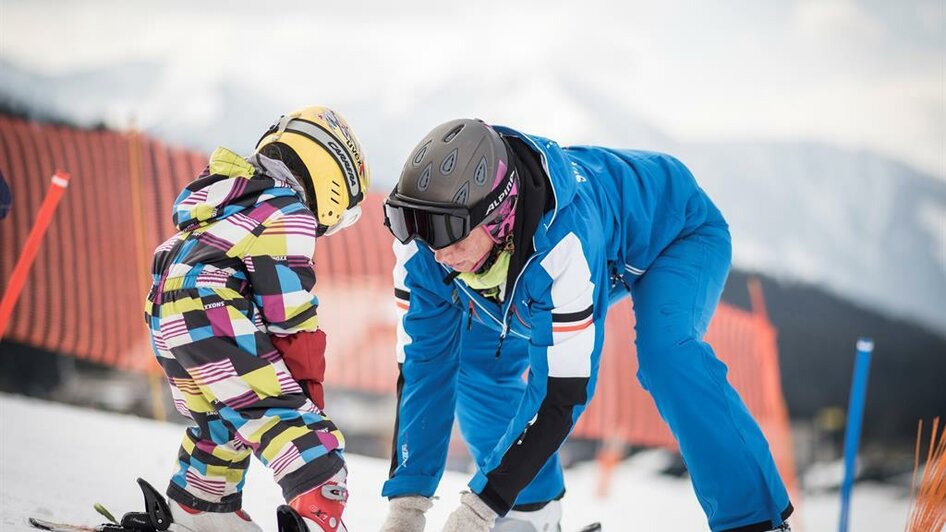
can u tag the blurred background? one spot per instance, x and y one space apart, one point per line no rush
817 126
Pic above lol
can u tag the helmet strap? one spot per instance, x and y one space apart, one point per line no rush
349 217
495 199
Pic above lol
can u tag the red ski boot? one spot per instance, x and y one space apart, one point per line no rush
321 508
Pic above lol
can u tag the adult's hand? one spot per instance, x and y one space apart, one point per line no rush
406 514
473 515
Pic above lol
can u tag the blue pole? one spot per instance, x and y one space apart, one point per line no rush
855 417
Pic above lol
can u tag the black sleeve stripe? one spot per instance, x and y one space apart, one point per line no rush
536 444
402 294
572 316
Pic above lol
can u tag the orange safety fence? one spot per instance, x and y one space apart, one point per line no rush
85 295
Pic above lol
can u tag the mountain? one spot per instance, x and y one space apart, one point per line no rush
817 331
861 226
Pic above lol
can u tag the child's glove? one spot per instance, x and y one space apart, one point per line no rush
304 354
473 515
406 514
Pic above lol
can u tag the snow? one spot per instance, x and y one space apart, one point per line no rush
57 460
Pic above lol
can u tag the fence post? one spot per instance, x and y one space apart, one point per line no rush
60 181
155 382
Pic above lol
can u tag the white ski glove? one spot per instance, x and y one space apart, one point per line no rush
406 514
473 515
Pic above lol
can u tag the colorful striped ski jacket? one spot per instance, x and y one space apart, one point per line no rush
254 236
613 212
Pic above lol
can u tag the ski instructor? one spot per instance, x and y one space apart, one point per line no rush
510 249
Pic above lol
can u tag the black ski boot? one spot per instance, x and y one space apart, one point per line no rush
289 520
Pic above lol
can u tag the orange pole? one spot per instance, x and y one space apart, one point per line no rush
60 181
757 298
155 380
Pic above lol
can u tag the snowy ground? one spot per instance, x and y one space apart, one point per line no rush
56 461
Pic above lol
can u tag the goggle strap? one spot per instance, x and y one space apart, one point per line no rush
485 207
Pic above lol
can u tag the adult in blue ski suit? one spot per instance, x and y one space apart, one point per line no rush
571 231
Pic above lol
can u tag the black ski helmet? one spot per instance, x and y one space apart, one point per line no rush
460 173
458 163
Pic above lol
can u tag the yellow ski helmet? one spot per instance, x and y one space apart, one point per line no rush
335 176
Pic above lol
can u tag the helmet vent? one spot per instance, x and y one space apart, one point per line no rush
463 194
424 180
452 134
480 174
419 156
449 162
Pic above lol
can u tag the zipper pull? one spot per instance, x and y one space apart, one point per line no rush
469 317
617 277
502 338
522 436
525 431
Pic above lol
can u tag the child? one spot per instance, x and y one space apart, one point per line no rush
234 326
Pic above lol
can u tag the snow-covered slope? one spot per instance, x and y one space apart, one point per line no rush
56 461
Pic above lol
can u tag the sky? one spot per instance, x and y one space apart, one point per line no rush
862 75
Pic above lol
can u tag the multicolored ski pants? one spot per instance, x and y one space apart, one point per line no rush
226 376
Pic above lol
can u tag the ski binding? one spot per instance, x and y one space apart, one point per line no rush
155 518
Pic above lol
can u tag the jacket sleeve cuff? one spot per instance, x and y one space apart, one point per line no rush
480 486
425 486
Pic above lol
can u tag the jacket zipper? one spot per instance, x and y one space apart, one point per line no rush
469 317
485 310
510 301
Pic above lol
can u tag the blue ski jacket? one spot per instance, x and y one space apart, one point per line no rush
614 212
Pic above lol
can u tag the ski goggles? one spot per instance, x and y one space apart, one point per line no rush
437 224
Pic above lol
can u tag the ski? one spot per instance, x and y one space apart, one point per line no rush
133 522
42 524
593 527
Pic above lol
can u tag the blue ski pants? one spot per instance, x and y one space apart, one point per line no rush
731 468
